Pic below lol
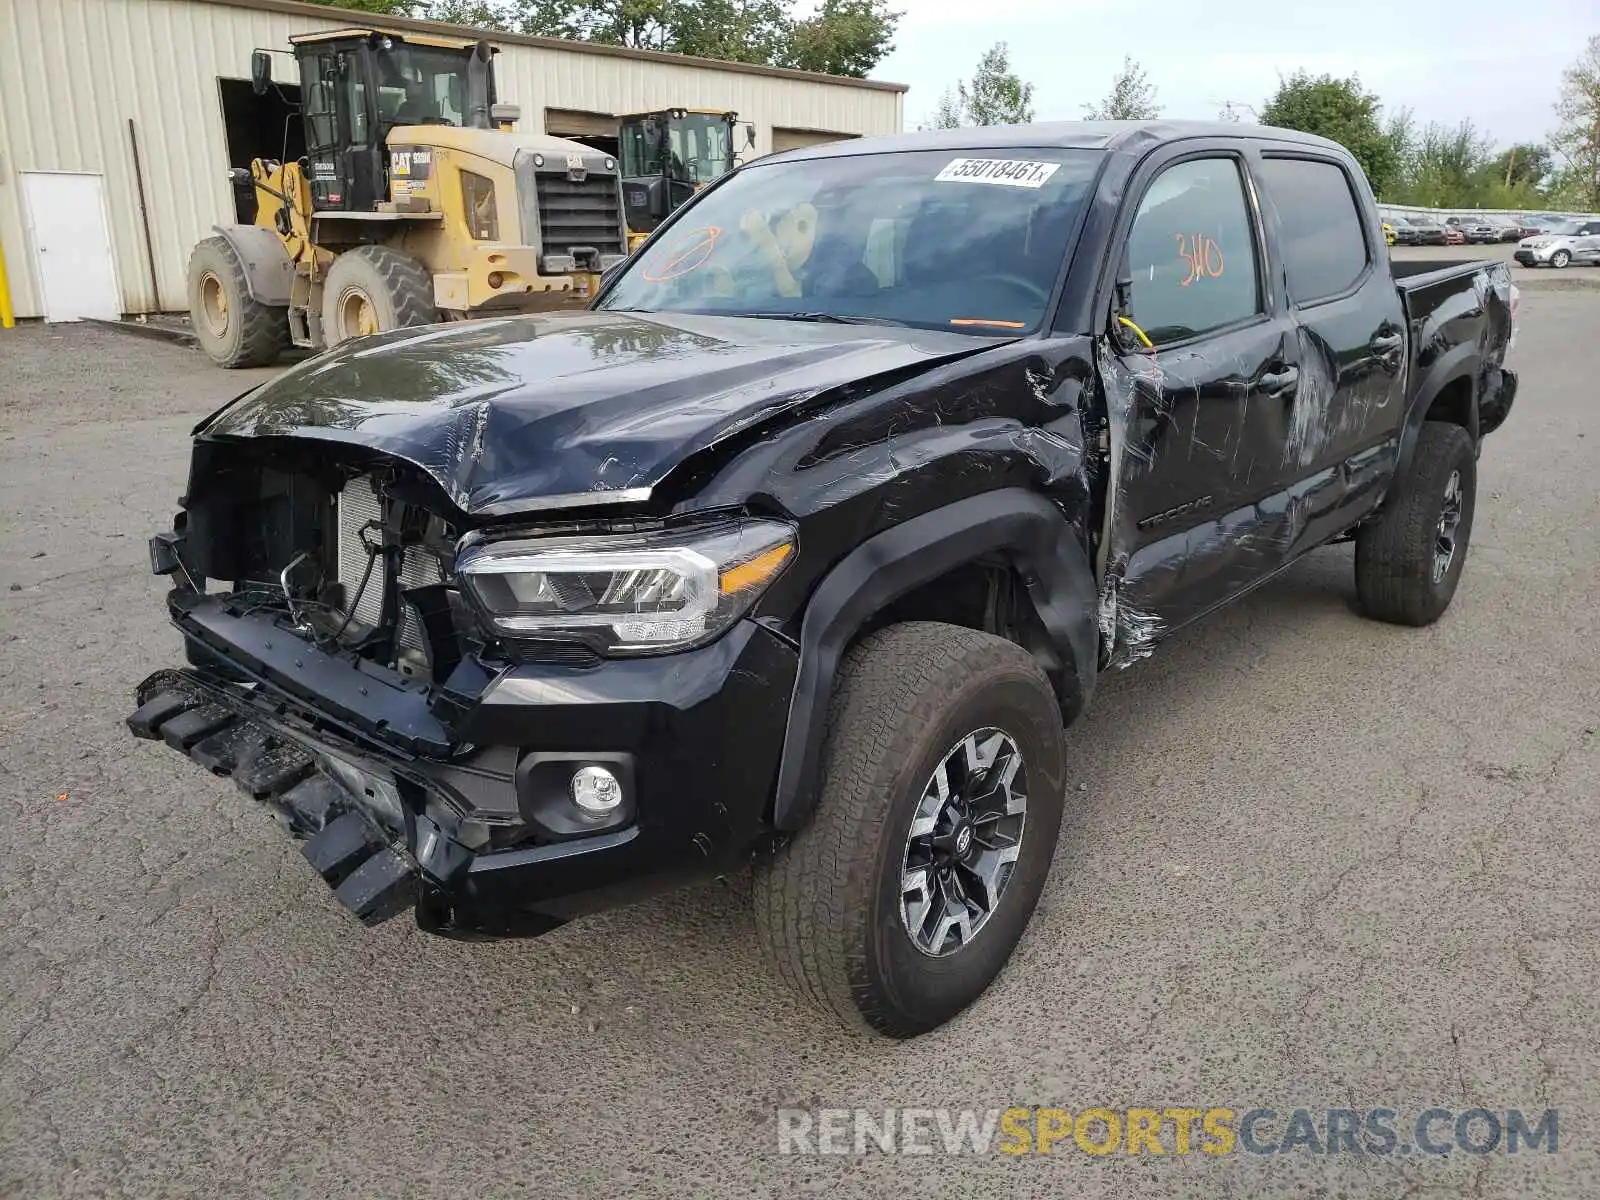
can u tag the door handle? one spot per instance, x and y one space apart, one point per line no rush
1279 383
1383 344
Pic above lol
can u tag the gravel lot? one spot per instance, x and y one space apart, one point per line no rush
1316 861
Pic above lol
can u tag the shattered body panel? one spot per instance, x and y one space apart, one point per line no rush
1069 489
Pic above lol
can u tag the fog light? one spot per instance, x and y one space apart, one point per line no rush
596 790
496 279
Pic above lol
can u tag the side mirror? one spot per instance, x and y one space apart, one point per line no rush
260 72
749 136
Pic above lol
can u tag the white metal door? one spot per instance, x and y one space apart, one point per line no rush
71 245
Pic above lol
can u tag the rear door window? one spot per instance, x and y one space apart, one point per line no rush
1323 245
1192 252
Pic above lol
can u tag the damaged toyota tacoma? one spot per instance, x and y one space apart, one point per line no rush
802 546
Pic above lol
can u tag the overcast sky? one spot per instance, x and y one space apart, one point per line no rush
1498 62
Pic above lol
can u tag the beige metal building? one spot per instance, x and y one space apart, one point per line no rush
119 120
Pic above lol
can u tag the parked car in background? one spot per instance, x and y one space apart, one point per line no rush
1388 233
1476 230
1429 231
1561 244
1507 229
1405 233
1454 235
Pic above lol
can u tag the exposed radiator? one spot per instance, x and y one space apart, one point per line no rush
358 504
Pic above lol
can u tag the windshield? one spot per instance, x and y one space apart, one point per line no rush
1560 228
697 148
422 85
938 239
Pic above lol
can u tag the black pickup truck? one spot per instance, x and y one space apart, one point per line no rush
802 546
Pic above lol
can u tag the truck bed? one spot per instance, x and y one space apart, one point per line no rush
1455 308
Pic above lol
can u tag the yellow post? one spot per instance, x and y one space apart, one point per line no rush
7 319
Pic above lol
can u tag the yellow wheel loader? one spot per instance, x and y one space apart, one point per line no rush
415 202
668 156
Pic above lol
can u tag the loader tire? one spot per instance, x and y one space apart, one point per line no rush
373 289
232 328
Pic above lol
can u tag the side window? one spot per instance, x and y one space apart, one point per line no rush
1192 252
357 92
1324 248
318 75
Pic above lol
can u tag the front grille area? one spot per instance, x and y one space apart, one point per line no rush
579 213
358 505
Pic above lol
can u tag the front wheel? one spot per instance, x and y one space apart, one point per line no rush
232 327
1409 559
940 805
373 289
1560 259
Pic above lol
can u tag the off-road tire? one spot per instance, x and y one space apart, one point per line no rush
1395 552
827 905
254 334
397 286
1560 259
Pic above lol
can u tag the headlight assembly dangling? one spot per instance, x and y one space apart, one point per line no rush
627 594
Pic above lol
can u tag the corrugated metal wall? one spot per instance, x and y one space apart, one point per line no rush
72 72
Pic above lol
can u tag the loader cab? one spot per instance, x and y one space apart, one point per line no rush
669 155
357 85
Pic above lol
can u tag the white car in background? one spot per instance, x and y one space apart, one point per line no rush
1564 243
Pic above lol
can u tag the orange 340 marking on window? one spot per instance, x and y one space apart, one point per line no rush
1203 257
691 256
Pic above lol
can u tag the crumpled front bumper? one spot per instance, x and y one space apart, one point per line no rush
464 832
357 846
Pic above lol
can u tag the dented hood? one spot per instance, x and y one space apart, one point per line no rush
524 413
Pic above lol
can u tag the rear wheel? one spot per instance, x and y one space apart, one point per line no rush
373 289
233 329
1409 559
941 801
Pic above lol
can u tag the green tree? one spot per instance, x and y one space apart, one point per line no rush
843 37
1578 138
1341 110
1445 167
1524 163
391 8
996 96
948 115
1132 97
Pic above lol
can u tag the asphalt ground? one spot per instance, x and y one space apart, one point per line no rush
1310 861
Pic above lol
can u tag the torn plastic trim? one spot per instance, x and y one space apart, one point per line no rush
355 841
1127 634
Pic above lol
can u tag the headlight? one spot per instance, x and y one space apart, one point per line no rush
477 204
623 595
